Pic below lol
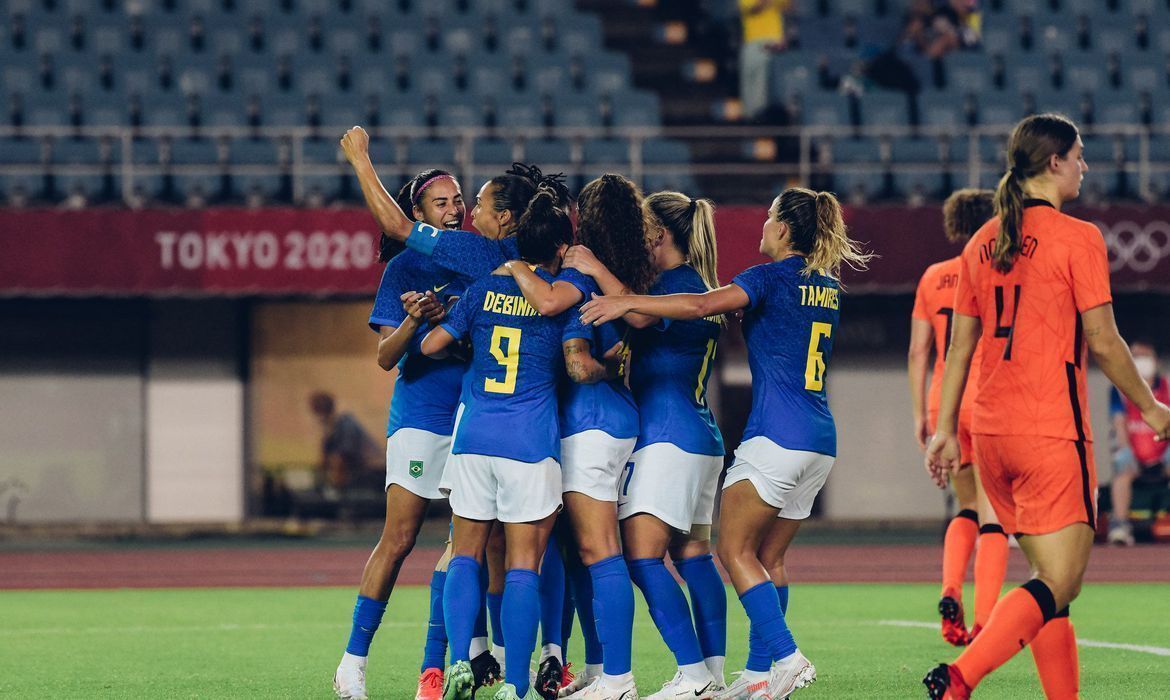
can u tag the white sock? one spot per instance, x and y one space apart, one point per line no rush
754 676
593 670
478 646
551 650
617 681
696 672
348 659
715 666
498 652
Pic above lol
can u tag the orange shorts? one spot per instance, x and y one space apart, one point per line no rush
966 451
1038 485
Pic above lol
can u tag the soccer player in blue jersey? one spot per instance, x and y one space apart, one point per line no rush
504 460
422 414
667 496
599 425
791 308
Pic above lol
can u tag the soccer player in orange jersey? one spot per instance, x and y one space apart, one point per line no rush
1034 294
930 328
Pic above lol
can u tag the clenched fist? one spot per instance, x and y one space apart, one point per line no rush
355 144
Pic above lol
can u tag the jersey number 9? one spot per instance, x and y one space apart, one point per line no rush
509 358
814 370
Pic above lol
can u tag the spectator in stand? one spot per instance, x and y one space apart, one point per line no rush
348 453
937 27
1137 454
763 35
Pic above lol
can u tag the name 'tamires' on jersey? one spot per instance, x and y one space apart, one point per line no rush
426 392
1033 371
789 327
510 400
671 364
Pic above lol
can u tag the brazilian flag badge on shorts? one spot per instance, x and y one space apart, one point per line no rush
416 468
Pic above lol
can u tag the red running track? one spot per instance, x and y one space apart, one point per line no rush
197 567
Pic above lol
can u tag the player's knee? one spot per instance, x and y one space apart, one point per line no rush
733 554
594 549
398 542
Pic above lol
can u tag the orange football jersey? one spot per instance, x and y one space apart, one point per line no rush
1032 379
934 302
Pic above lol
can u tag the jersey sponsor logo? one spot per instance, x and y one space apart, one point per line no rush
816 295
416 468
438 288
507 304
1136 247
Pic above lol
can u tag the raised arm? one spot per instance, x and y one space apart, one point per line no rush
356 146
549 299
917 363
942 455
1115 360
724 300
583 260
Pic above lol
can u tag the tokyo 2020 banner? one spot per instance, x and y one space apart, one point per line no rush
277 252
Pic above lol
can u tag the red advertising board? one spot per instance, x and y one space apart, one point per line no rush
326 252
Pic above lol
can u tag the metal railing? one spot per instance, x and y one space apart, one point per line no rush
966 148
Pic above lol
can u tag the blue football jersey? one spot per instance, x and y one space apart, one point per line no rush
789 327
608 405
510 404
426 392
671 364
467 254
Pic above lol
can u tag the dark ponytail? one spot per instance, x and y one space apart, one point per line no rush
514 190
1033 143
543 228
610 222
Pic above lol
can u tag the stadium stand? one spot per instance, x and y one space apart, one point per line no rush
184 92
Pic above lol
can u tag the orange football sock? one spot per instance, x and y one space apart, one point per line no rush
1055 653
991 558
958 545
1014 622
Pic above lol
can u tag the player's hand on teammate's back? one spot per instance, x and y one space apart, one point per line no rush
355 144
582 260
942 457
601 309
1158 418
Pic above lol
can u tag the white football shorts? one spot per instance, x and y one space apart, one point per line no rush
674 486
786 479
497 488
415 460
592 462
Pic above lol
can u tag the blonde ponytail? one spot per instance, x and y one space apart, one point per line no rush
704 252
832 245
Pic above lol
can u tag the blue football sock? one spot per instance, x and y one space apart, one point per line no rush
521 613
435 651
569 609
613 606
759 658
708 602
495 604
481 618
762 606
584 599
552 594
461 602
668 609
367 615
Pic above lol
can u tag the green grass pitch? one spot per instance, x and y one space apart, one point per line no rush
285 643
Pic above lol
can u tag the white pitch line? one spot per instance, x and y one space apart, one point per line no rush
1140 648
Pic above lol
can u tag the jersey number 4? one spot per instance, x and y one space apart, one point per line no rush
814 370
508 357
1008 331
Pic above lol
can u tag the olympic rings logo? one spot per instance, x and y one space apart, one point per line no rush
1139 247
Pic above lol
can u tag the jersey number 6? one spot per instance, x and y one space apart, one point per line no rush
814 370
509 358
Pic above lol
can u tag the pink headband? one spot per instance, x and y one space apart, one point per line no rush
428 183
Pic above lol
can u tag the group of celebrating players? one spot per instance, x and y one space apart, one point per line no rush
552 384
